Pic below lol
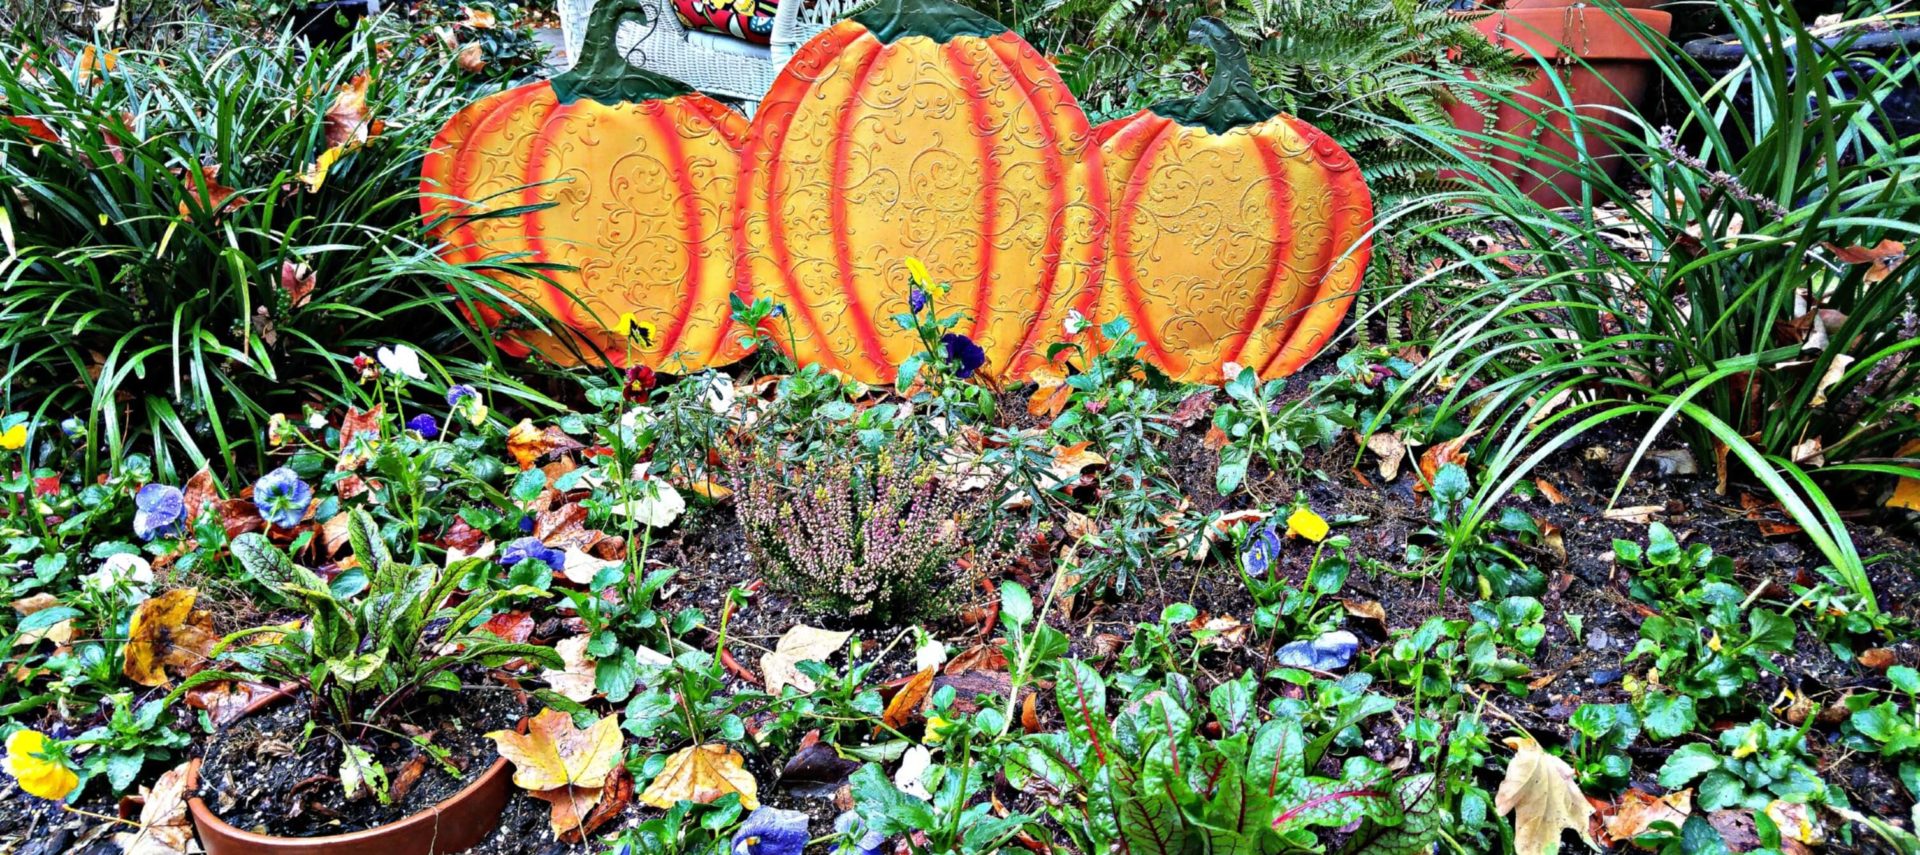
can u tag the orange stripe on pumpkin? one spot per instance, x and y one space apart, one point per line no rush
1008 52
983 132
1129 273
1280 206
690 226
859 318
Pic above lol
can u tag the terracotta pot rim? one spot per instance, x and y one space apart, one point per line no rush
204 817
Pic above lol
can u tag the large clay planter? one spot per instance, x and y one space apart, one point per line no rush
1606 69
456 824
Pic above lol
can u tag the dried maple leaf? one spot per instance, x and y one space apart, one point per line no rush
1540 791
553 753
164 827
229 701
167 631
472 58
800 644
1392 451
60 632
1637 811
198 491
702 774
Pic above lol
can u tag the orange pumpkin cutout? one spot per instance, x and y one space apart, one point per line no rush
620 176
1239 234
922 129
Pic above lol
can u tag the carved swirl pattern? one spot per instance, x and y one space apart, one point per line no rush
970 155
1242 247
636 221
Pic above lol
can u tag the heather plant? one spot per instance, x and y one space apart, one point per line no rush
874 535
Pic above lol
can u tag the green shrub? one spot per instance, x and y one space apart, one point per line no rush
176 268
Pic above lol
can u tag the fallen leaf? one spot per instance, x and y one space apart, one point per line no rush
1050 395
1193 407
1796 822
1541 794
526 443
553 753
702 774
575 682
212 195
297 280
199 490
1878 658
816 770
1551 493
1884 256
1069 462
1836 369
346 121
514 626
712 491
228 701
1029 714
1392 451
167 631
1638 514
164 826
61 632
580 567
800 644
472 58
1906 493
1638 810
1369 610
1438 456
906 702
479 19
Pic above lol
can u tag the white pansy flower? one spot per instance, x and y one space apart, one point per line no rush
658 504
402 360
120 569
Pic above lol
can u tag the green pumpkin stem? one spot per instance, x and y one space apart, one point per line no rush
603 73
1231 100
940 20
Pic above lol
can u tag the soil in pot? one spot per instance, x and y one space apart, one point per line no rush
266 775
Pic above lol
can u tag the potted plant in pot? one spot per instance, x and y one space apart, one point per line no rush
384 755
1594 57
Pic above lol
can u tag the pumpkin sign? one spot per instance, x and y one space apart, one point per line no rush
618 184
922 129
1238 233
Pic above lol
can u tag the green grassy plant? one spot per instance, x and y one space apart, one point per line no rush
170 315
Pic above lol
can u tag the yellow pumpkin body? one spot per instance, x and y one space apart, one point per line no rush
965 151
624 207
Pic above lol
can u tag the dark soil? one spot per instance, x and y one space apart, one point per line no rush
268 773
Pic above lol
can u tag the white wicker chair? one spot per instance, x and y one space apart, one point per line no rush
710 62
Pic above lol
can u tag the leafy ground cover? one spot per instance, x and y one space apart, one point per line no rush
1594 530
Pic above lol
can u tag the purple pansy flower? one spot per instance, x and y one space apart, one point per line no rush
771 831
282 497
1262 551
531 549
870 843
459 391
1331 651
158 510
964 353
526 524
917 299
426 425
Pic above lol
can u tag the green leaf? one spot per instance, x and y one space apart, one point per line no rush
1720 789
1016 605
1690 761
1668 716
615 676
123 768
884 808
360 772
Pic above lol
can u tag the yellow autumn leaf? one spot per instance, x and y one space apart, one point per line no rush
702 774
1543 797
554 754
167 631
526 443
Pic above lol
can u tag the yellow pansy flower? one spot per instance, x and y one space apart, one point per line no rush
935 726
1307 524
14 438
39 774
634 329
918 271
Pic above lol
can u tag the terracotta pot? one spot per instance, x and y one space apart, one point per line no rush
458 823
1606 69
1515 5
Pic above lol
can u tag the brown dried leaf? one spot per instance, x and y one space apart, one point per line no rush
298 281
1884 256
164 826
1637 811
906 702
554 754
1438 456
1541 793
